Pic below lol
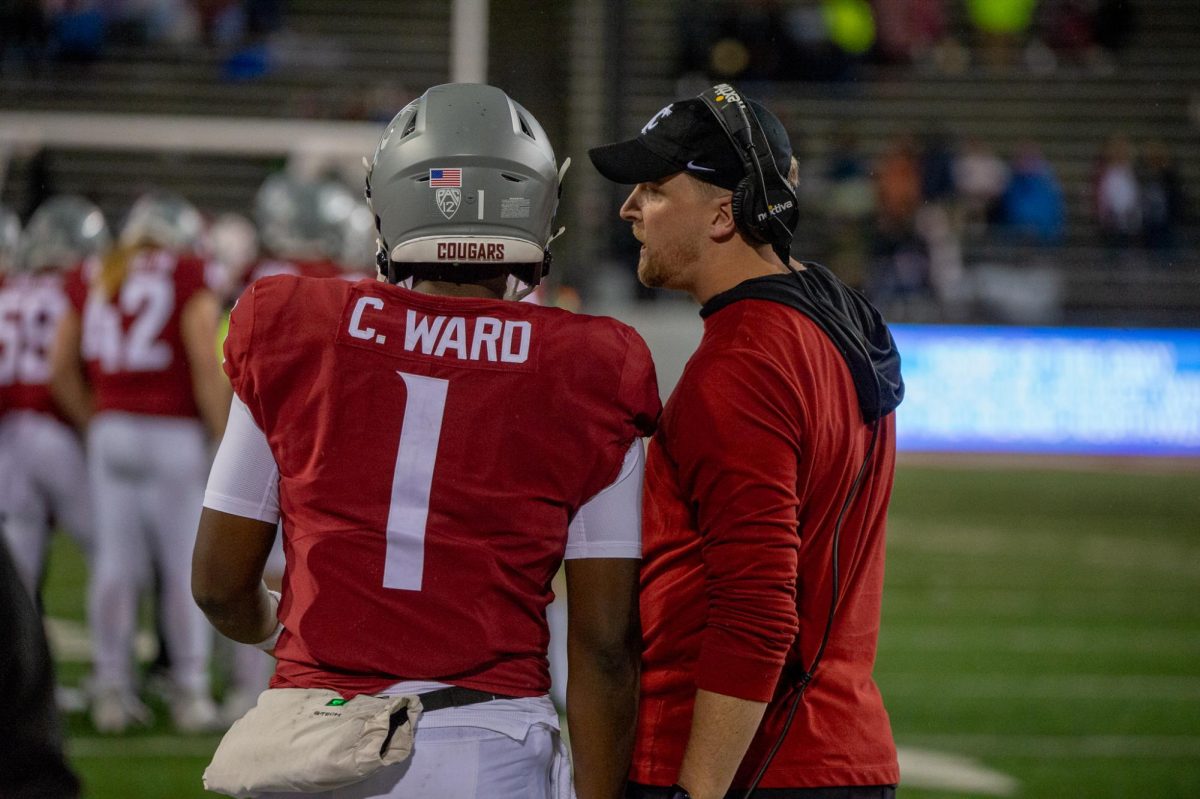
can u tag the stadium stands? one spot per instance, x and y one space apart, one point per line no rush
326 64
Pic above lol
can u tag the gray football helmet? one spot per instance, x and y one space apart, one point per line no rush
10 238
302 219
464 186
163 219
62 232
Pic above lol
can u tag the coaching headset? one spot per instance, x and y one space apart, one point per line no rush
764 203
765 208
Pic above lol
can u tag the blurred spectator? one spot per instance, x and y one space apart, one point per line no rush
1001 27
757 40
849 208
1033 205
77 31
899 279
1068 30
909 30
980 176
1164 206
1084 32
898 187
1114 24
23 33
937 167
850 26
1118 204
753 43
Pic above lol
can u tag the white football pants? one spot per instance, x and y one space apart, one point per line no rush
46 485
147 475
467 763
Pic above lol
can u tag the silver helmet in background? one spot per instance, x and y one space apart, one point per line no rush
360 244
303 220
163 219
62 233
10 239
464 186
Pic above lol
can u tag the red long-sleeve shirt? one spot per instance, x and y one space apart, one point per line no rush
763 436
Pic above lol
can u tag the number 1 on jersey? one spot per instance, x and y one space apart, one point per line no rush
412 481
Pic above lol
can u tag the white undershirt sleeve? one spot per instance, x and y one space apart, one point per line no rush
244 480
609 525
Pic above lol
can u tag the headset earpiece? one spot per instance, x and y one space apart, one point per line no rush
764 203
742 205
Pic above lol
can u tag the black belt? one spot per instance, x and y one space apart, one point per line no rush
439 700
455 697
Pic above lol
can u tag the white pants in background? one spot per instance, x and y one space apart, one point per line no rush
45 484
147 476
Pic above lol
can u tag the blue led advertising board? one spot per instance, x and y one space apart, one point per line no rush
1077 391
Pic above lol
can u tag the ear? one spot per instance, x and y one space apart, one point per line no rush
721 226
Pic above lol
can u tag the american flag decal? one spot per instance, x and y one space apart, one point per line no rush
445 178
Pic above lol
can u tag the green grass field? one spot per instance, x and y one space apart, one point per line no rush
1043 626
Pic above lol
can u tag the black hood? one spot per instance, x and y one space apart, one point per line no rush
854 325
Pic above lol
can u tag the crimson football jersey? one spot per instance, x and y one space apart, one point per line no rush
31 306
132 343
280 266
431 453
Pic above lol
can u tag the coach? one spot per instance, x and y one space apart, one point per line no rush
767 482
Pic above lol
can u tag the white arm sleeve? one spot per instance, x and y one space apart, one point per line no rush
244 480
609 525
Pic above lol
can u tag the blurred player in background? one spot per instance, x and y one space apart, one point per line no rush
48 482
10 332
767 484
134 362
359 246
301 226
434 454
231 241
314 228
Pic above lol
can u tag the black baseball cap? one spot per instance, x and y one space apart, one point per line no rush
687 137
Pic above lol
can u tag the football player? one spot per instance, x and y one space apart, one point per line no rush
48 482
143 321
306 228
435 452
301 224
358 246
10 330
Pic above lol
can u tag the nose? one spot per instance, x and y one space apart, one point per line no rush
630 209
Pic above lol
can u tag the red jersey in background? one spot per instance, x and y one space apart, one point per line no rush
132 343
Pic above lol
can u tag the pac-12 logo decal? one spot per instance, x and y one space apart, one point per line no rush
448 201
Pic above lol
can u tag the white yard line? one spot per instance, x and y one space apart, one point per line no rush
945 771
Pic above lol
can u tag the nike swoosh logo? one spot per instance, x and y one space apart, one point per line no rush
694 165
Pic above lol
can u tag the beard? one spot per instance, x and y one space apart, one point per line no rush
665 265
